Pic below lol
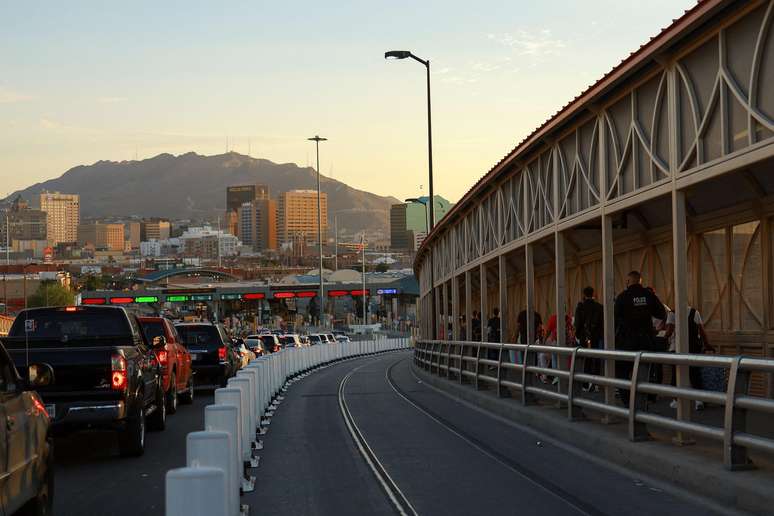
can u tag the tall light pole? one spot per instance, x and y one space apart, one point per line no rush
403 54
317 139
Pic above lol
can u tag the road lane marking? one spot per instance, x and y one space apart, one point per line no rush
396 496
575 505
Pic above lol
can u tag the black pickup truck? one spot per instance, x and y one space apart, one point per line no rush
105 373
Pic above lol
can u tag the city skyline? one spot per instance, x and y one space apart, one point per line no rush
503 83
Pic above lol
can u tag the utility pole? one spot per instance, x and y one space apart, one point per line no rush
365 303
317 139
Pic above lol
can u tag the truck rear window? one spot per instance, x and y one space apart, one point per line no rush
200 337
70 327
152 329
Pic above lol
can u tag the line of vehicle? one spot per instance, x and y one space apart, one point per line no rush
391 489
539 482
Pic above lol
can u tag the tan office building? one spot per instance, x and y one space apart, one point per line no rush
297 216
156 229
258 224
63 215
107 237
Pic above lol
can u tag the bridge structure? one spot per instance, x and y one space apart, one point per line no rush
664 165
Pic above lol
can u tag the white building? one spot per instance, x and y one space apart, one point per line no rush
201 240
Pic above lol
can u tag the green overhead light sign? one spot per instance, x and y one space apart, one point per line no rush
177 299
201 297
146 299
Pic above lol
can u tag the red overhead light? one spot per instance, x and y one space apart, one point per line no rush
284 295
306 294
337 293
121 300
93 301
359 292
255 295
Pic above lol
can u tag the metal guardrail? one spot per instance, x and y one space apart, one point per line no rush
466 361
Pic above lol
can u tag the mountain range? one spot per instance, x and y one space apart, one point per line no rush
192 186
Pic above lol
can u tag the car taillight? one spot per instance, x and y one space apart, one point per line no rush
163 357
118 378
40 407
222 353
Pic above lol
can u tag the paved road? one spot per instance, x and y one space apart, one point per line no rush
434 455
92 479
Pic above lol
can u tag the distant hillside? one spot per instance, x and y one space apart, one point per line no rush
191 186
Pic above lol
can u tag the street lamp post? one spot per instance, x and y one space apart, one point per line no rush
403 54
317 139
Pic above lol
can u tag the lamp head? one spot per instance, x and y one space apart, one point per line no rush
397 54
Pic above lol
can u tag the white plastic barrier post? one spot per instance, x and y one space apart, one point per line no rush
196 492
225 418
211 449
248 435
233 396
250 374
257 369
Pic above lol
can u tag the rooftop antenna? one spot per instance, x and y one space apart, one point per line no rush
135 152
249 147
330 173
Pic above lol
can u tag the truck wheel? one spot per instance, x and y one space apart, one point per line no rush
158 419
131 440
188 396
171 397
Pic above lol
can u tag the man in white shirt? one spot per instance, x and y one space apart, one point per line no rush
697 343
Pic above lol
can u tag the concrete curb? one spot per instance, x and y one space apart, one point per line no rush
699 471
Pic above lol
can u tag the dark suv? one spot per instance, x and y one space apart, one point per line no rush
26 447
106 374
213 358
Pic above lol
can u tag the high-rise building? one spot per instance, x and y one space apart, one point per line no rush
297 215
22 222
258 224
154 229
104 237
63 215
409 220
236 196
133 234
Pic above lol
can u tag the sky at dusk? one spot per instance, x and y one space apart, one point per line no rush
88 81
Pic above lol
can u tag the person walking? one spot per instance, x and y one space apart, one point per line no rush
635 309
698 343
476 326
521 328
493 334
589 329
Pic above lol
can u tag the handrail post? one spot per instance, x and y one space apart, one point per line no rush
448 359
478 367
526 376
574 414
462 364
637 431
735 421
501 392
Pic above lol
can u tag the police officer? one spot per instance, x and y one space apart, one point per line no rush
635 308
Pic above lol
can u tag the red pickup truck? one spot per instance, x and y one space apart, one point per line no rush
175 361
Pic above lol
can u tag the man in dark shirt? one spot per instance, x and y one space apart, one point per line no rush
493 333
635 309
521 322
589 329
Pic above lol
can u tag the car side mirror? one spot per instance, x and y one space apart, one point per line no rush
159 341
40 375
